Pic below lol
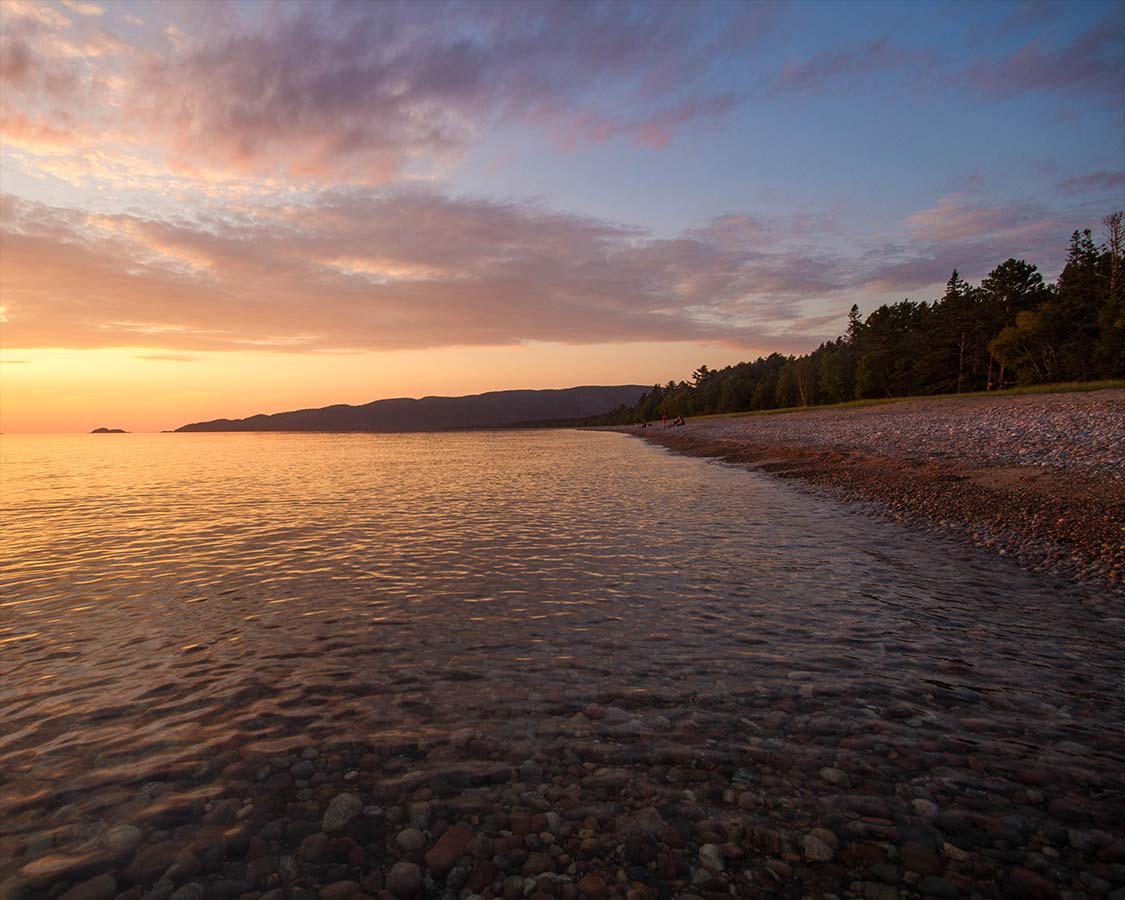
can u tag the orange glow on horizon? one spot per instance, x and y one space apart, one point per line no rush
148 389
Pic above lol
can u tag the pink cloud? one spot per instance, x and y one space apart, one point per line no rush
356 92
1090 65
956 218
378 271
1094 182
838 67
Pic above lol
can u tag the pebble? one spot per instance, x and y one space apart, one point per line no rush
404 879
100 887
410 839
341 810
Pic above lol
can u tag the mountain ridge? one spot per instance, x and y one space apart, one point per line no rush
492 409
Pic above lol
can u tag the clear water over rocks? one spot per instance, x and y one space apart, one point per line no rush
514 664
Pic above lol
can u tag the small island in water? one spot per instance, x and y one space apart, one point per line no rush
109 431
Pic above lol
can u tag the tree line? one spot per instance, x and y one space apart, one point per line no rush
1011 329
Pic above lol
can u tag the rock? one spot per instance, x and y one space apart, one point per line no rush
449 847
815 850
917 857
1025 883
593 886
537 864
151 862
873 890
925 808
419 814
404 879
341 810
189 892
338 890
932 886
711 855
100 887
607 779
260 869
122 838
480 847
410 839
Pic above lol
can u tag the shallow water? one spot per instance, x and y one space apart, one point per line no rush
173 599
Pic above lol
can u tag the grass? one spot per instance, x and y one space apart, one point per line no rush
1067 387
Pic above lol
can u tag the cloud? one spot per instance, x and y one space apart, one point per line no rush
1090 65
957 233
385 270
1102 182
956 218
359 93
83 8
838 67
168 357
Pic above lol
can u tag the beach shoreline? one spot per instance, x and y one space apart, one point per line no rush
1033 478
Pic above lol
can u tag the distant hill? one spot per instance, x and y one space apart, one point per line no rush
491 410
109 431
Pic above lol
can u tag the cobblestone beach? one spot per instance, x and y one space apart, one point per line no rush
1040 477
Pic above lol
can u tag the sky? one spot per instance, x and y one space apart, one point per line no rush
215 209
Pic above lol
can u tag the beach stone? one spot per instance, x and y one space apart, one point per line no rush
711 855
449 847
932 886
100 887
122 838
191 891
480 847
339 890
163 889
927 809
1025 883
151 862
815 850
537 864
593 886
873 890
341 810
917 857
404 879
259 870
419 814
410 839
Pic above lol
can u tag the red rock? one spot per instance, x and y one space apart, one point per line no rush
102 887
519 823
1026 883
482 876
593 886
537 864
441 857
151 862
339 890
917 857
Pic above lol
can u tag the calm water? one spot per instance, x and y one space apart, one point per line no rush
170 599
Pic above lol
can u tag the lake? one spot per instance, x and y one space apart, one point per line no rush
625 669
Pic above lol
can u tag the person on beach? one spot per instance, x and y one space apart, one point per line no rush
664 421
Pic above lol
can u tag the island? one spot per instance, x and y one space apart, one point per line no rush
109 431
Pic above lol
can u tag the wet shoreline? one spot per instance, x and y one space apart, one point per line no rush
1049 493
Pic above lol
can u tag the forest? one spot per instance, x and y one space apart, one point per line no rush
1012 329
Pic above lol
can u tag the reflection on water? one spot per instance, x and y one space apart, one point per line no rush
170 601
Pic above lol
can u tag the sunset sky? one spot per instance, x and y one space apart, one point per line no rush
223 208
